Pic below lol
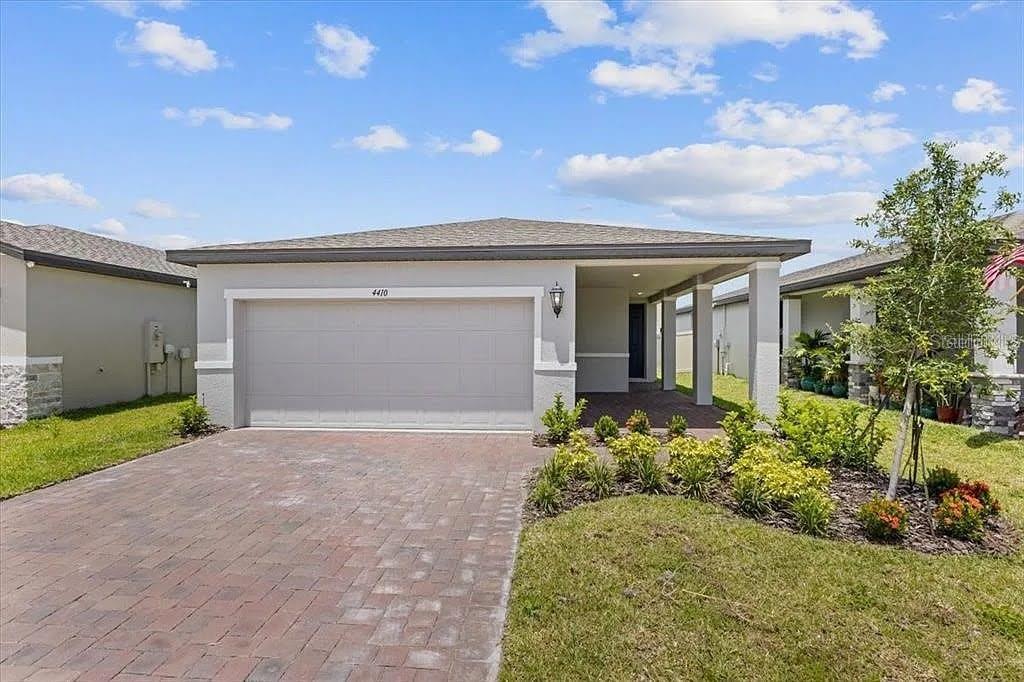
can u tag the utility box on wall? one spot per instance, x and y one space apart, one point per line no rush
154 342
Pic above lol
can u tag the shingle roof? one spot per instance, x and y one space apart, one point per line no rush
64 247
849 269
482 239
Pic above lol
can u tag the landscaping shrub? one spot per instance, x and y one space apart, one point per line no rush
740 428
883 519
628 450
193 420
783 476
813 511
574 456
750 495
606 429
546 496
650 475
980 491
553 472
821 432
677 425
959 515
694 464
599 479
941 479
639 422
561 421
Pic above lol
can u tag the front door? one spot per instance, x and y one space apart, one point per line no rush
637 347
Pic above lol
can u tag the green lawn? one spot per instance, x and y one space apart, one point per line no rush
667 588
57 448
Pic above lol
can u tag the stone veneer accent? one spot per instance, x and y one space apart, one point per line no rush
859 383
29 388
999 411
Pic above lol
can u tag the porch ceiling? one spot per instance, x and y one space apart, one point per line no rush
644 279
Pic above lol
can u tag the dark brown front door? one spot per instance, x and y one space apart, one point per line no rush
637 347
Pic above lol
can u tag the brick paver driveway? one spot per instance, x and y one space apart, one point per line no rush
268 554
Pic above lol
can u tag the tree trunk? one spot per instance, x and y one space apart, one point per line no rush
901 439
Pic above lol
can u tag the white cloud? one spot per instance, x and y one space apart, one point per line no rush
341 52
229 120
130 8
481 143
719 181
158 210
50 188
886 91
169 47
980 95
974 7
537 153
111 227
977 145
830 126
381 138
166 242
680 37
766 72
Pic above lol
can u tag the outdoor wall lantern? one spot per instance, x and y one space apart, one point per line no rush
557 294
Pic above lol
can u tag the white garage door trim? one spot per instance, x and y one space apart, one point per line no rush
232 296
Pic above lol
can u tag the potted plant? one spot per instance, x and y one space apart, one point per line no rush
832 359
806 351
946 382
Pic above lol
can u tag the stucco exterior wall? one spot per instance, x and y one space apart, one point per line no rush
602 339
732 335
818 311
554 370
13 285
97 323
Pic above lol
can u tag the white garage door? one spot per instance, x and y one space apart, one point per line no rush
390 364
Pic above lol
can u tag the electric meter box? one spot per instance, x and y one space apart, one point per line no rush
154 342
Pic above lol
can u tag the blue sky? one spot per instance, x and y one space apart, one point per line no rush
172 123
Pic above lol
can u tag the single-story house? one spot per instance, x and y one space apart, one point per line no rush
467 325
805 307
86 320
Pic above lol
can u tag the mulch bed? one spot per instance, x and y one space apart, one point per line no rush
540 440
849 490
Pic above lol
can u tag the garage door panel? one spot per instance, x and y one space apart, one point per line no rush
390 364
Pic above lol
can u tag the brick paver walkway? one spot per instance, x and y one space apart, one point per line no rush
266 555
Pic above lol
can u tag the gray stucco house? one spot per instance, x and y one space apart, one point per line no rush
805 307
468 325
86 320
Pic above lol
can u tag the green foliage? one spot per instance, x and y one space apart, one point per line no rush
553 472
650 475
639 422
628 450
822 432
561 421
783 476
941 479
807 350
695 464
959 515
599 479
193 420
945 379
813 511
606 428
574 456
740 427
750 495
883 519
677 425
546 496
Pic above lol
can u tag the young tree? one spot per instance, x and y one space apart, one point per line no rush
937 221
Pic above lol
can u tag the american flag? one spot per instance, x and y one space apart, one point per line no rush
1001 264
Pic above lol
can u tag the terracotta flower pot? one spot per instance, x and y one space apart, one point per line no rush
948 414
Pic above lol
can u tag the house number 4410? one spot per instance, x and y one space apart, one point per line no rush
379 292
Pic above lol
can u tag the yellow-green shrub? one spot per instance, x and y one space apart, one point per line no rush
628 450
782 476
574 457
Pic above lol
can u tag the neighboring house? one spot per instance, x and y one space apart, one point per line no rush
470 325
805 307
75 310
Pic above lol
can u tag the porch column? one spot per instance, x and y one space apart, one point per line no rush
651 341
763 358
668 344
997 411
791 326
859 382
703 345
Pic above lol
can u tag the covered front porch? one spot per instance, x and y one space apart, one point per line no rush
625 331
660 405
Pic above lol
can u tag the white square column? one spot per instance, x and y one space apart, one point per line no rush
1004 290
792 323
651 341
703 343
863 312
763 361
668 344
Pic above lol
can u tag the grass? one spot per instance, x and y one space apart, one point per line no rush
46 451
665 588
